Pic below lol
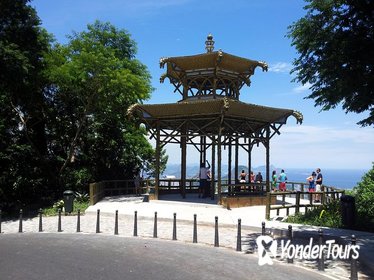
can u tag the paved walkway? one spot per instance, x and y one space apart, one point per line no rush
206 211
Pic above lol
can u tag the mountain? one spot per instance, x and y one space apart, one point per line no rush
192 171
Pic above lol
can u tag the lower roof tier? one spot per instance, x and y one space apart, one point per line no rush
229 114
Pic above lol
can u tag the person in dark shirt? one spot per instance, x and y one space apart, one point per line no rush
319 187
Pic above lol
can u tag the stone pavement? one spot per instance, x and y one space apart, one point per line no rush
206 211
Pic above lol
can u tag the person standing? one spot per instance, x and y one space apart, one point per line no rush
282 181
203 175
311 180
319 187
274 179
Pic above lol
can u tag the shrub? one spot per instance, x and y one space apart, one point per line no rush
364 198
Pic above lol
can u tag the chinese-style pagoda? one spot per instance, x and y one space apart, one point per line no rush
211 116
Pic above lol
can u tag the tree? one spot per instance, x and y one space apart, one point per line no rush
94 79
364 195
23 146
335 41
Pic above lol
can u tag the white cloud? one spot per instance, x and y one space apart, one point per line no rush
304 146
280 67
302 88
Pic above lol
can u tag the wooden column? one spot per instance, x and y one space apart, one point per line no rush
236 159
267 146
158 152
183 161
213 166
219 159
249 158
229 161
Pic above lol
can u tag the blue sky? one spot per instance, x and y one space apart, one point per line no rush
252 29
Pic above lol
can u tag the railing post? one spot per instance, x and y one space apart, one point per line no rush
136 223
20 229
79 220
40 220
297 206
321 259
239 237
290 237
194 229
175 226
59 221
354 273
155 226
268 205
116 223
98 221
216 238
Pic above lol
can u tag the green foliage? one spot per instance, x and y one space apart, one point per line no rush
53 211
81 197
327 216
335 41
364 198
63 116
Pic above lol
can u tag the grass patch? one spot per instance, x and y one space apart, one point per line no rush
53 210
326 216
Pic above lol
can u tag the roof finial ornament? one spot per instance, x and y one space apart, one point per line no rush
209 43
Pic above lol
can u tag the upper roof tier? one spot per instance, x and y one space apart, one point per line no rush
209 75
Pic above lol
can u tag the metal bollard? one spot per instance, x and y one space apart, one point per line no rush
321 260
239 237
20 221
40 220
290 237
263 228
194 239
116 223
98 221
79 220
354 273
0 220
216 238
175 227
136 223
59 221
155 226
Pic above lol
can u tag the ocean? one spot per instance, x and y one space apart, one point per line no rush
339 178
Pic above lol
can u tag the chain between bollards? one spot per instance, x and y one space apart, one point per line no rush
321 260
239 237
175 226
290 237
136 223
116 223
59 221
263 228
79 220
194 239
216 238
155 226
40 220
354 273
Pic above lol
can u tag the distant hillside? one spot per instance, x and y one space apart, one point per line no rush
192 171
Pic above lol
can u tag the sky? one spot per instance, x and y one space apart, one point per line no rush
253 29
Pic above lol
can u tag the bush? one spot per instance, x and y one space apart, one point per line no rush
364 198
327 216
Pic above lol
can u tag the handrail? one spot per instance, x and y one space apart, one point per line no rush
331 194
